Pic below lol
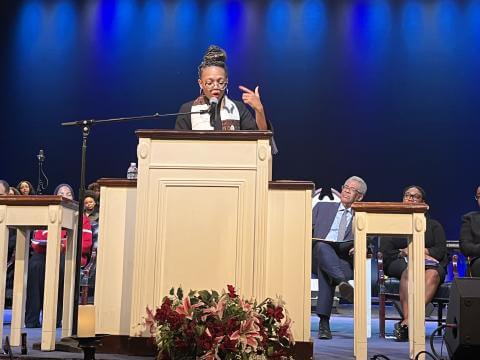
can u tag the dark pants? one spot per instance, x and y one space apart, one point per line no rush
36 286
332 267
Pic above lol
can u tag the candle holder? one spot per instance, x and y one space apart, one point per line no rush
89 345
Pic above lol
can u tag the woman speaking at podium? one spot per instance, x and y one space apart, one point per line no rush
229 114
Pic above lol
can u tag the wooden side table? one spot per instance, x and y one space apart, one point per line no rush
26 213
391 218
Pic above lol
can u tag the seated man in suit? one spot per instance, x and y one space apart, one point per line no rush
470 237
332 259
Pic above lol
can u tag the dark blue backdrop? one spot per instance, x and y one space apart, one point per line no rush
387 90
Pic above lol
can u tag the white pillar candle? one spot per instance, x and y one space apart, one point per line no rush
86 321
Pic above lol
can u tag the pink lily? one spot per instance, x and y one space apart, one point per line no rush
150 321
215 310
248 334
208 356
186 308
211 355
245 305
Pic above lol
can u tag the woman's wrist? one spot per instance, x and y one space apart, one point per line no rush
259 110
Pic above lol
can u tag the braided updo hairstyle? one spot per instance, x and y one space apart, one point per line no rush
215 56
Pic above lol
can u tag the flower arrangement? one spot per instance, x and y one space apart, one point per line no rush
206 325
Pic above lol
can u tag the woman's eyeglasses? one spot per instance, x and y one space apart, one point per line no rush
221 85
412 196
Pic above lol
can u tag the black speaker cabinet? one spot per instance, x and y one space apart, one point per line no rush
463 342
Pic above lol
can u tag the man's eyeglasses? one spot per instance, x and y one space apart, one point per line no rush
221 85
412 196
348 188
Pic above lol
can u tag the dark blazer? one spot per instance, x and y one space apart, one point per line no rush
323 216
470 234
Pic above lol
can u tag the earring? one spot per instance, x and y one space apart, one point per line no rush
226 90
201 91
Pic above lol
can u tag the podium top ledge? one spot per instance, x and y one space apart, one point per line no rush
290 185
117 182
203 135
389 207
38 200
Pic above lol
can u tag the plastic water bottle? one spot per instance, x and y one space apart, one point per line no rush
132 171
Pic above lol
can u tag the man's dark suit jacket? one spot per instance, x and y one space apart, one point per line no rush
323 216
470 234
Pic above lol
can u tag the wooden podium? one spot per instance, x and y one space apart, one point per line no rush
391 219
201 222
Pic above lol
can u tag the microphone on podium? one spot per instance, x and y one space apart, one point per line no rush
213 110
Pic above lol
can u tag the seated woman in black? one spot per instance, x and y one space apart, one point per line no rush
230 114
470 237
396 258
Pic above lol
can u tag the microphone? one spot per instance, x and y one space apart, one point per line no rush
213 110
41 156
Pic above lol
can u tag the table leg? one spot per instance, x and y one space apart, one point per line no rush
49 318
368 296
416 287
69 283
3 263
20 285
359 305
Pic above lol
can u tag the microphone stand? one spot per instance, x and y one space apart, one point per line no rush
86 126
40 187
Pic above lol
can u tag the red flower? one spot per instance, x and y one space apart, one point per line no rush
276 313
175 320
283 331
205 341
231 291
228 344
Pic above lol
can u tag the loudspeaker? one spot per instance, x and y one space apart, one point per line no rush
463 341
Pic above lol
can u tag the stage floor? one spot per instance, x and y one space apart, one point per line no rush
340 347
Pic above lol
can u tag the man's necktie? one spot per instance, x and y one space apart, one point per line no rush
342 228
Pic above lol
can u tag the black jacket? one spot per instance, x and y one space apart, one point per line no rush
470 234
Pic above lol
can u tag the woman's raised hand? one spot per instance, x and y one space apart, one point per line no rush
252 98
